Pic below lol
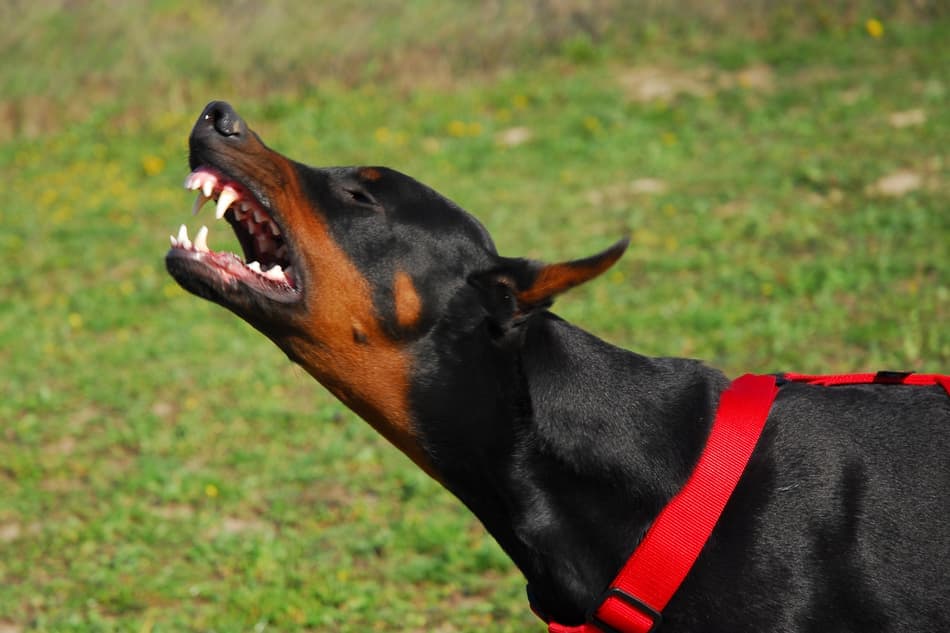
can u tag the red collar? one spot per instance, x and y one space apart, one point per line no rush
636 598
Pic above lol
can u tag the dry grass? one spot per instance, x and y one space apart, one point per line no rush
66 61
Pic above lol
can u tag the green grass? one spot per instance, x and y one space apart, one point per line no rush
164 468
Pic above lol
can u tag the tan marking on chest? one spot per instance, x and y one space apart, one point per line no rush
342 343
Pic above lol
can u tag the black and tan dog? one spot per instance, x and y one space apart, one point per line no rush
564 446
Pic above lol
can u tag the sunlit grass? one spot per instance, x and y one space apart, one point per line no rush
164 468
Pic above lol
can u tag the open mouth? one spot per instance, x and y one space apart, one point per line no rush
267 265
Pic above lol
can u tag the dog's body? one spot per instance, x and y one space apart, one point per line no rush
564 446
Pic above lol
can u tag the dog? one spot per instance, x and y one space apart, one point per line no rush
566 447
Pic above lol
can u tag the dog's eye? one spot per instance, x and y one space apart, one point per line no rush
361 197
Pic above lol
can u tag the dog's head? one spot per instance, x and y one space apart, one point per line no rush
348 268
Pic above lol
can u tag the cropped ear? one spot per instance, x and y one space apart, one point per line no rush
516 288
551 280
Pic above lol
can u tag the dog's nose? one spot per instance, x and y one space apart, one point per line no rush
221 117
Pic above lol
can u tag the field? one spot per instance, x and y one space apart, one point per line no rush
783 176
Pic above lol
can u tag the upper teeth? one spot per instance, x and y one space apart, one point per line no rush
225 200
199 202
255 220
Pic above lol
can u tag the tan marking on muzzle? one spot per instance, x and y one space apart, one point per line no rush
340 341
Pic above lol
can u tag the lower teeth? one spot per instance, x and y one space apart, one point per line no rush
274 273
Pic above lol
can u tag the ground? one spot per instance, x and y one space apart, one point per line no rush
164 468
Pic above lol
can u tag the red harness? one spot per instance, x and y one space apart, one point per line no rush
636 598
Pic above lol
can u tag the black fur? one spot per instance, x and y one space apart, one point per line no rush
838 524
567 447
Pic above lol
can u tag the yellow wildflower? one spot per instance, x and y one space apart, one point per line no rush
297 615
152 165
874 28
457 128
593 125
211 491
383 135
48 197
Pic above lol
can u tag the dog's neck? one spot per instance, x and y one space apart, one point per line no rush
566 448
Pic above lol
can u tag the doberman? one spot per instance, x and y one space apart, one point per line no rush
564 446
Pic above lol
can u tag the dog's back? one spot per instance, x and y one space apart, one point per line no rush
840 521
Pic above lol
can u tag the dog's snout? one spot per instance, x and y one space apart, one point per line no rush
219 130
221 117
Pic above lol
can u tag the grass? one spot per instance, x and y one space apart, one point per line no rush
164 468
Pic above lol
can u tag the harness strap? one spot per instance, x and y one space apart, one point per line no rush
653 573
880 378
636 598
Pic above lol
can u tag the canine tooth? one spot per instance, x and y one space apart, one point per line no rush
255 266
201 240
183 240
208 187
173 240
225 200
199 202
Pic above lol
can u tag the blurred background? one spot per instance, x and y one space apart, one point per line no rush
781 169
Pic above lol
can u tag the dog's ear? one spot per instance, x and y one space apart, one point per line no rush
550 280
516 288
